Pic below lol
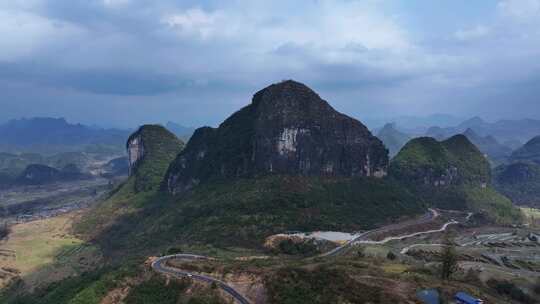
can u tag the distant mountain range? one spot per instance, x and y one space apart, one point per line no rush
53 135
182 132
497 152
392 138
505 131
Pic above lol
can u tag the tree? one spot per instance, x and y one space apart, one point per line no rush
391 256
449 259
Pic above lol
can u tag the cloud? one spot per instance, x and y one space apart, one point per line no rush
523 10
365 56
195 22
115 3
25 34
472 33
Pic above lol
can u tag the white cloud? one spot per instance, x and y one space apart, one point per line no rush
196 22
23 34
523 10
472 33
323 24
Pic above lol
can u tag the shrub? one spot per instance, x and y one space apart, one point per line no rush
391 256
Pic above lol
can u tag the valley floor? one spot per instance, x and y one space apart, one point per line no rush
485 253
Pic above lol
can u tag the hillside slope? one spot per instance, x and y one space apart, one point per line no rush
530 152
452 174
519 181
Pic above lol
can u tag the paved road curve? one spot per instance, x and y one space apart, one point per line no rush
429 216
159 265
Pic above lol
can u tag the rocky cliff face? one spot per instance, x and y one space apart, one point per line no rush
135 151
287 129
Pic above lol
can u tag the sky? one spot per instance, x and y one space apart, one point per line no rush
122 63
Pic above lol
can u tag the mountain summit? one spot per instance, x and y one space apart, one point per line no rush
287 129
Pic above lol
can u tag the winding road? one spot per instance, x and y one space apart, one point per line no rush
430 216
159 265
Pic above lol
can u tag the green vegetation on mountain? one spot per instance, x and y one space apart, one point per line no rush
520 182
520 179
455 161
244 212
160 148
322 285
452 174
530 152
142 187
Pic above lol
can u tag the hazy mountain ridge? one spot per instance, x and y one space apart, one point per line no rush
53 135
182 132
392 138
502 130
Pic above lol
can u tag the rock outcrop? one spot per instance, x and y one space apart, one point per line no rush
135 151
287 129
150 150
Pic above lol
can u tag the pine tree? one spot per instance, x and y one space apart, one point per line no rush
449 259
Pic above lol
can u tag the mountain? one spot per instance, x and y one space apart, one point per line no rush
286 162
444 120
392 138
520 178
530 152
41 174
182 132
519 181
455 161
53 135
451 174
502 130
287 129
439 133
150 150
116 167
496 152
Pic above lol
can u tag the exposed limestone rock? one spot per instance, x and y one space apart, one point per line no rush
287 129
135 150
